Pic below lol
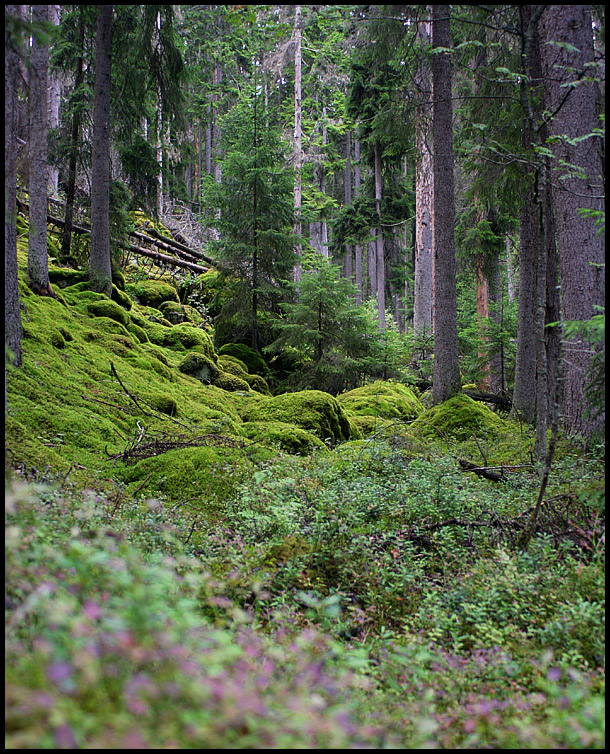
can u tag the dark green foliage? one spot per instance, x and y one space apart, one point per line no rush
335 341
254 202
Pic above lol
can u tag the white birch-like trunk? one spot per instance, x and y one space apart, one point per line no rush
298 153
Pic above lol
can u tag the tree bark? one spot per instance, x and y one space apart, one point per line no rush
298 152
78 80
12 312
424 195
38 262
347 198
580 248
379 246
446 382
358 251
100 273
53 105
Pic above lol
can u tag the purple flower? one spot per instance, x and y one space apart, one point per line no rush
59 671
554 674
92 610
64 738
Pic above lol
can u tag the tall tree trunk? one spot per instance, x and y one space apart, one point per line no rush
100 272
12 312
379 249
347 198
53 105
424 195
298 151
38 261
74 141
524 390
580 248
323 223
358 252
446 380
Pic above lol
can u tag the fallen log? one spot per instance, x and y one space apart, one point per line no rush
169 244
481 471
130 247
163 258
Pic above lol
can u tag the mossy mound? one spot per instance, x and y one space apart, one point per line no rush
184 336
258 383
153 292
122 298
288 437
388 400
164 403
254 362
139 332
312 410
369 425
232 365
109 309
231 382
458 417
174 313
63 277
199 366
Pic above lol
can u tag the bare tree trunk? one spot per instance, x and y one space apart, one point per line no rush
424 197
38 262
298 152
580 248
78 80
323 223
358 253
347 199
12 312
380 250
53 104
446 380
100 272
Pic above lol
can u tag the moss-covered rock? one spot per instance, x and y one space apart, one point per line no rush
231 382
163 402
232 365
288 437
258 383
389 400
121 298
58 340
153 292
174 313
312 410
458 417
110 309
199 366
254 362
63 277
186 336
139 332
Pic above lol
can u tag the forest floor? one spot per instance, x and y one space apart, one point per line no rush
166 593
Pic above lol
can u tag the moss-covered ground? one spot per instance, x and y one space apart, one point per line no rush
189 566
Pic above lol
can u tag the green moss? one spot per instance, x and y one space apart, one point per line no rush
66 276
139 332
153 293
121 298
66 333
231 382
258 383
458 417
188 336
288 437
110 309
110 326
389 400
23 448
312 410
174 313
254 362
232 365
199 366
57 339
163 402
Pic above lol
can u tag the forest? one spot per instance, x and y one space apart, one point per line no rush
304 376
